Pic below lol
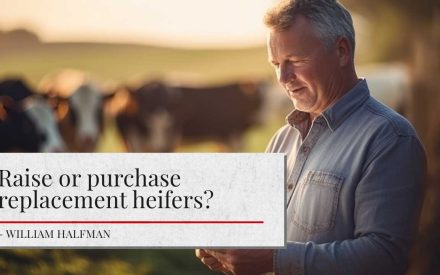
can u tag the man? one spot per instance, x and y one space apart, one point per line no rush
355 167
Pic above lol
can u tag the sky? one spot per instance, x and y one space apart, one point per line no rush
179 23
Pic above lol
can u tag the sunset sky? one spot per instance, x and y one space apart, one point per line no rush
184 23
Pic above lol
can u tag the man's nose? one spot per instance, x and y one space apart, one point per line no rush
286 74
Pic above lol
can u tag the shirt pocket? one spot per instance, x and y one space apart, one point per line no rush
316 202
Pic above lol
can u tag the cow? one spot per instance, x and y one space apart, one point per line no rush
27 122
79 108
17 131
158 117
81 117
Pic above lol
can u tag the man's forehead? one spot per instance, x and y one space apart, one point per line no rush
285 45
297 39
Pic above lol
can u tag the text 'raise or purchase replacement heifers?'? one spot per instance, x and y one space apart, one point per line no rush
142 200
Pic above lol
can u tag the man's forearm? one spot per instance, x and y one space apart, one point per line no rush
370 254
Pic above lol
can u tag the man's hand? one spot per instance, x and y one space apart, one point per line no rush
237 261
210 261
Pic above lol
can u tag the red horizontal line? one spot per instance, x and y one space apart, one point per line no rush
131 222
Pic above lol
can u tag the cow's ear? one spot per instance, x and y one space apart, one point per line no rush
62 109
59 104
118 101
8 104
3 110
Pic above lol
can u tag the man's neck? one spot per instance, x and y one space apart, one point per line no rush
347 83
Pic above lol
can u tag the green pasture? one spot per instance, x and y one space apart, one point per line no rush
126 62
120 64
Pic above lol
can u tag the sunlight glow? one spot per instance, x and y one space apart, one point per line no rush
189 23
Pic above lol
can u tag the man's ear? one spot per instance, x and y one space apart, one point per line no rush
344 51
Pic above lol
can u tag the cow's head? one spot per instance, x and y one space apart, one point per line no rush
149 121
80 116
86 115
156 116
42 116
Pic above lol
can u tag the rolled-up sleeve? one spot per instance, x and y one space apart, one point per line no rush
387 202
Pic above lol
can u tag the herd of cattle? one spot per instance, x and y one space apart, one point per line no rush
155 117
62 115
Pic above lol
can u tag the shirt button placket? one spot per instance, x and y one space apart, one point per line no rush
301 159
302 156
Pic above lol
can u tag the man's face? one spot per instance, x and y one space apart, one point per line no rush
305 68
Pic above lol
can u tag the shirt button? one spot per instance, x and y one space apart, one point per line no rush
320 122
305 149
290 186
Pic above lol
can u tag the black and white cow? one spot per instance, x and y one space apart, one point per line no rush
80 116
79 108
158 118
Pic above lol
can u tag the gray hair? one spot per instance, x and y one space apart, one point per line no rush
329 18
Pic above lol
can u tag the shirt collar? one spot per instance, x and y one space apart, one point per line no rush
335 114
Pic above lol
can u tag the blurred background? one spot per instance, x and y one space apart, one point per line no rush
119 50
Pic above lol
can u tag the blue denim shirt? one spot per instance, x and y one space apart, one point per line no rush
353 188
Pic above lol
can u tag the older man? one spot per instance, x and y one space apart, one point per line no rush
355 167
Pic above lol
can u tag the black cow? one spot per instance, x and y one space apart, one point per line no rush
27 122
17 131
158 118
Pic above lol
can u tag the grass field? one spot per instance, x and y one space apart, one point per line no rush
126 62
